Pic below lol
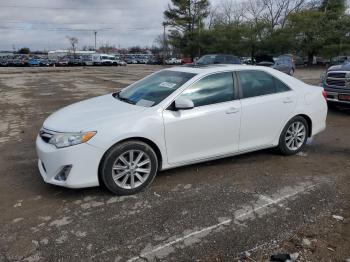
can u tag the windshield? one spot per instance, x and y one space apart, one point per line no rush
283 61
155 88
206 60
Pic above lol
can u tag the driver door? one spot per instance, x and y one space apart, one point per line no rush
208 130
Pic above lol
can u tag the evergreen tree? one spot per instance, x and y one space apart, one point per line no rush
186 18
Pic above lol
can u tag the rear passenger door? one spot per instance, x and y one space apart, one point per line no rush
267 103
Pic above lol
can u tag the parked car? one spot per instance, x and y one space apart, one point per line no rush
322 61
18 62
102 59
155 61
142 60
300 61
218 59
63 62
3 62
46 62
336 82
173 61
176 117
283 63
339 60
120 62
131 60
34 62
264 60
186 60
75 61
87 60
247 60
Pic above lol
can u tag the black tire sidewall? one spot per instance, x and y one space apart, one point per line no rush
110 158
282 143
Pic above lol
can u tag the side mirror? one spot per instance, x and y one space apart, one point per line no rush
183 104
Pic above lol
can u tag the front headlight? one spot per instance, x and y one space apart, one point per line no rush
70 139
347 79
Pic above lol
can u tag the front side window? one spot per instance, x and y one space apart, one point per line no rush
155 88
212 89
259 83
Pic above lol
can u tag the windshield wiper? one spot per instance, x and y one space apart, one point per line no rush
124 99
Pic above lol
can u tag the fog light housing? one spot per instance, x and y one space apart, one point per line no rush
64 173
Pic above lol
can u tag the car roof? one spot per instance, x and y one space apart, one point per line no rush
213 68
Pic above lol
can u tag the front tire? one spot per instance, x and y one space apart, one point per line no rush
294 136
129 167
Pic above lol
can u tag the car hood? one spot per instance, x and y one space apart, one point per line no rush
342 67
90 114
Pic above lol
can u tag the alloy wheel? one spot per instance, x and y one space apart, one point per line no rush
295 136
131 169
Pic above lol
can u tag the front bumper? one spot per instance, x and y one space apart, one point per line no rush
333 94
83 158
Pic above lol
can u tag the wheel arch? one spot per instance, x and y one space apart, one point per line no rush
142 139
309 123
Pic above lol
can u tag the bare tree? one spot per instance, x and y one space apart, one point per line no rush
254 10
212 17
163 43
277 11
73 42
231 11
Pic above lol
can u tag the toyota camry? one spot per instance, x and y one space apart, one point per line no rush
174 117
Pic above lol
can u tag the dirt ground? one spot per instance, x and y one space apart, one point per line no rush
246 207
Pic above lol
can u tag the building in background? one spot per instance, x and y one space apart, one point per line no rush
56 54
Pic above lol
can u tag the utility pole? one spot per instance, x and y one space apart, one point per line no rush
95 33
164 43
199 35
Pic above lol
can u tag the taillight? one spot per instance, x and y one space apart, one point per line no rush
324 93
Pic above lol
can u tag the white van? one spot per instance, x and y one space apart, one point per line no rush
103 59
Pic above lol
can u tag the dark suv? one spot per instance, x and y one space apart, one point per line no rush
336 82
218 59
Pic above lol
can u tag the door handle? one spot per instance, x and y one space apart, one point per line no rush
232 110
288 100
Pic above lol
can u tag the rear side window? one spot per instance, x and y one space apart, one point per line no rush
258 83
219 59
230 59
212 89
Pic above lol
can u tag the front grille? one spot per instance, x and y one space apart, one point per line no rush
46 134
336 75
335 82
336 79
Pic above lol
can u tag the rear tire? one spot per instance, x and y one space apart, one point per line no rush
128 167
294 136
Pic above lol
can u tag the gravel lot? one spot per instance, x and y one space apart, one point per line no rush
260 202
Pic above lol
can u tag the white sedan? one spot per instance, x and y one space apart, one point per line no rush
175 117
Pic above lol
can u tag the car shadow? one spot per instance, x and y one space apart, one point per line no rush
339 108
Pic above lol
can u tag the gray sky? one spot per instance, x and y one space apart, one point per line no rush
42 24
